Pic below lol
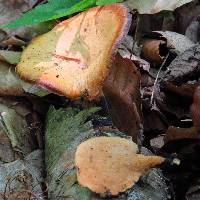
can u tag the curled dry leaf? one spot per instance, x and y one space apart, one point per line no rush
122 90
175 42
152 50
155 6
80 66
110 165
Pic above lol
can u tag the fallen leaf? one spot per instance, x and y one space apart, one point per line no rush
110 165
74 69
184 68
192 31
184 91
195 109
12 85
7 154
23 177
10 10
122 91
13 41
20 124
11 57
182 73
126 51
176 133
152 50
155 6
182 20
175 42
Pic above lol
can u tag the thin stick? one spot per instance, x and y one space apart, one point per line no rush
156 80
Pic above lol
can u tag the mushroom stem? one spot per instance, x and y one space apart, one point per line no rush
147 162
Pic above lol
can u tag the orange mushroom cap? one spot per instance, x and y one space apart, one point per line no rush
73 59
110 165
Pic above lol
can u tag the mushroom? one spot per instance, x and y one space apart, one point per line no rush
110 165
74 58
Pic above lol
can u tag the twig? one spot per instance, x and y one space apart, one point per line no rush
156 80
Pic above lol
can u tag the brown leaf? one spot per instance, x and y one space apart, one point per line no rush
10 10
180 80
175 133
122 90
151 50
195 109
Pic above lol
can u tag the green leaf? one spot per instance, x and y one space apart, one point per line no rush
105 2
51 10
55 9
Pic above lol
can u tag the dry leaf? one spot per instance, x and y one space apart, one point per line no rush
176 133
155 6
10 10
12 85
80 66
175 42
122 90
152 50
126 51
11 57
195 109
110 165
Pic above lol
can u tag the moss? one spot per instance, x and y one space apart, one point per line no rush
62 126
